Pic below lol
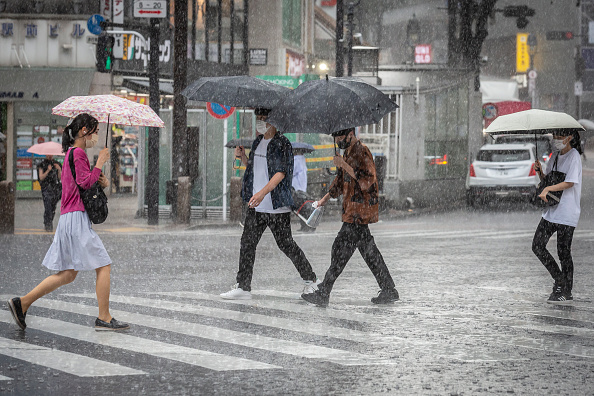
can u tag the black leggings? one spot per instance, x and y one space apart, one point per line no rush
564 276
280 225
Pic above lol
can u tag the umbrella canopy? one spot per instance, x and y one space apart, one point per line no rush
302 148
237 91
329 105
47 148
109 109
239 142
587 124
533 121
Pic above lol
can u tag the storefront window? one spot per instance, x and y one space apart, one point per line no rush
446 138
292 22
34 124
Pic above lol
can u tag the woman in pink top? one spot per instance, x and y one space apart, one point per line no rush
76 247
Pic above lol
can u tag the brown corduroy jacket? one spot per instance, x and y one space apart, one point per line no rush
360 203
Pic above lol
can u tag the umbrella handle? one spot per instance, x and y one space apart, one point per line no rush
107 131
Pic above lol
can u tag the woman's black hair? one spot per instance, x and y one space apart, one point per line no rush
576 141
72 129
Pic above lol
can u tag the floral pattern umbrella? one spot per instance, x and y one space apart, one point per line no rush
109 109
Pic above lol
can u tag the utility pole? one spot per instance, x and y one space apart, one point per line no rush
180 131
339 38
152 179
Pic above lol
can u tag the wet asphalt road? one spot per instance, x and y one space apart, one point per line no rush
472 316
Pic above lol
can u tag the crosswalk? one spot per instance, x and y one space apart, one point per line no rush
275 331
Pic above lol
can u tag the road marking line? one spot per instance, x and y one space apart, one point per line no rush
3 378
192 356
317 329
297 306
67 362
266 343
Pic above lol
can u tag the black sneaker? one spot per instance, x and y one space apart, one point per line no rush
16 310
113 325
386 297
560 296
316 298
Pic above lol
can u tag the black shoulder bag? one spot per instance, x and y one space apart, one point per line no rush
94 199
554 177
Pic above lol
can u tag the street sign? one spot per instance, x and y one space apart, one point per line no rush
522 55
219 111
423 53
489 111
578 88
258 56
118 17
94 24
150 8
532 74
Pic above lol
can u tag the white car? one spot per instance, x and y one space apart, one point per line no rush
502 170
544 145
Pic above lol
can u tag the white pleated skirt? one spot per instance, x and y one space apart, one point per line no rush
76 246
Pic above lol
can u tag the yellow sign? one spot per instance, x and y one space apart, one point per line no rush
522 55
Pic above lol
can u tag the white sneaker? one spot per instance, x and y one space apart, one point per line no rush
311 286
236 293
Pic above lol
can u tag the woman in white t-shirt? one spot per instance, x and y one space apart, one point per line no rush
563 217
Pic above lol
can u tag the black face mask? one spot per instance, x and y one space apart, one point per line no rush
343 144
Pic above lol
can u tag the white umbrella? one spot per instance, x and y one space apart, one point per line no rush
587 124
533 121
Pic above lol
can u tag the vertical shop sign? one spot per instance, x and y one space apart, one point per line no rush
522 55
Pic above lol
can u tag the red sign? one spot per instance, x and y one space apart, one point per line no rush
328 3
24 163
423 53
219 111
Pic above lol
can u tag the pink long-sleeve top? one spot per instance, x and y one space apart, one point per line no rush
85 177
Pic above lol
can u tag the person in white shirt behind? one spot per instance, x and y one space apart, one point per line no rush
562 218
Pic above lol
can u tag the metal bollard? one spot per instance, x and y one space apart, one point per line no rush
7 197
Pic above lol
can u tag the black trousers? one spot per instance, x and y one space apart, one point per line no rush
544 231
50 200
349 238
280 225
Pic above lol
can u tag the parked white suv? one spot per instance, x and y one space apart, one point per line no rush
502 170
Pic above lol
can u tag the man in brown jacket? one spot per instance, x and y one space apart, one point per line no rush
356 180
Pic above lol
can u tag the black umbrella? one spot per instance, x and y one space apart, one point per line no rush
302 148
238 91
326 106
239 142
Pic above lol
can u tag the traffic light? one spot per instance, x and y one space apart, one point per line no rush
559 35
520 12
103 53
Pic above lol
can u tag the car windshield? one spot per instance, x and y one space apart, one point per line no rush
503 155
543 146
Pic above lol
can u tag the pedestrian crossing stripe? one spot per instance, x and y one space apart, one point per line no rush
311 327
192 356
308 350
67 362
249 340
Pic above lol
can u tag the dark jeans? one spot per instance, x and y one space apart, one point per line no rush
50 200
351 237
280 225
564 276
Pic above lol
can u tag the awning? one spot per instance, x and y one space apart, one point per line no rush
33 84
142 85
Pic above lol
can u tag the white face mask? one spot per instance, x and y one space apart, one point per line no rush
558 145
92 142
261 126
